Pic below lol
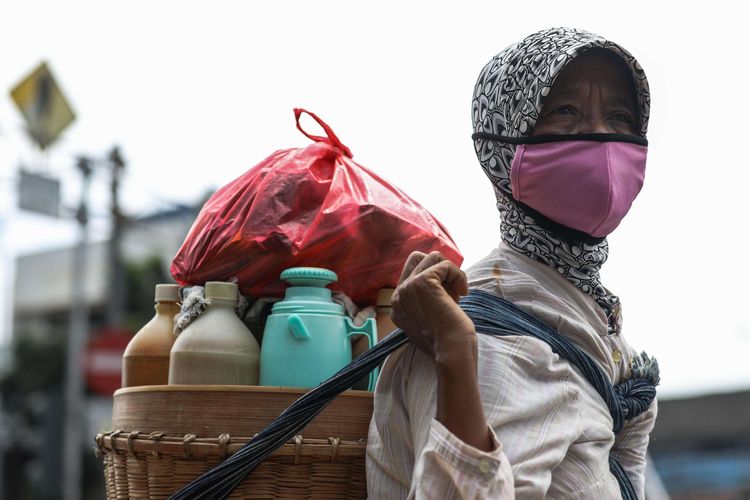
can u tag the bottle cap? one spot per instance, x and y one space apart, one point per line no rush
167 293
309 276
384 297
221 290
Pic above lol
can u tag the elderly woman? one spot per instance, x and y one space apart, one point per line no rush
560 124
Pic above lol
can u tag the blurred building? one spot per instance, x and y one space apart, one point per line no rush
43 280
701 446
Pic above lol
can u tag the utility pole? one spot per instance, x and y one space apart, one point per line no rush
117 292
77 336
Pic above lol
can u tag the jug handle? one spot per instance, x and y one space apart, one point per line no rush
297 327
369 329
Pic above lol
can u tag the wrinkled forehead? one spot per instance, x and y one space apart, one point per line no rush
596 63
512 87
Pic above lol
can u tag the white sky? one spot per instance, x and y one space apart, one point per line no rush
198 93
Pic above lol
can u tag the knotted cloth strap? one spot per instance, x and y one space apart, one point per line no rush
491 316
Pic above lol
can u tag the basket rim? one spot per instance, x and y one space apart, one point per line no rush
189 446
231 388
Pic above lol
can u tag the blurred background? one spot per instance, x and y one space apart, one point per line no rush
118 120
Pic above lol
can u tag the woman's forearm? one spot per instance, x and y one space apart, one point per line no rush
425 306
459 406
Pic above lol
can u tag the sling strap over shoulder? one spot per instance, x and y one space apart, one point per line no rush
491 315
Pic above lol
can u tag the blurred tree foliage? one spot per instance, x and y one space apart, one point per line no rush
31 390
37 363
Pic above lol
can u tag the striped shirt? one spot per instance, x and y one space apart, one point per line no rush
552 430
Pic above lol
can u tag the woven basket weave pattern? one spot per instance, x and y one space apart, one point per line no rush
153 466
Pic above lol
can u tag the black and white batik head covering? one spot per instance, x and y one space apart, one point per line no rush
508 98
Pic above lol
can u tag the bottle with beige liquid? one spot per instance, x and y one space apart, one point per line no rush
216 348
146 358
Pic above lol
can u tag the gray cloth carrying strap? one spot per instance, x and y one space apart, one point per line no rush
498 317
491 316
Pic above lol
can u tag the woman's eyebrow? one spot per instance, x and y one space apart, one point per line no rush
566 90
621 100
562 93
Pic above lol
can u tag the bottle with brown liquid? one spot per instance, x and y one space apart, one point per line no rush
385 326
146 358
216 348
384 309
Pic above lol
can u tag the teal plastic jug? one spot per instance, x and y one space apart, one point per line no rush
307 337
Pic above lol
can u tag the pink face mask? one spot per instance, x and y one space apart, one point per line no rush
587 185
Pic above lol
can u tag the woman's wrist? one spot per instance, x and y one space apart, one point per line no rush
456 351
459 404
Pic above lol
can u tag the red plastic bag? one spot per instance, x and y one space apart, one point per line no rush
312 206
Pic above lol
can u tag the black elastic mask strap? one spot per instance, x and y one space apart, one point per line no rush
565 232
541 139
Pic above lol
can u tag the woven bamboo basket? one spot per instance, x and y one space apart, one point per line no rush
168 435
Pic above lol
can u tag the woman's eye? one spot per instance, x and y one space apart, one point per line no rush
622 117
564 110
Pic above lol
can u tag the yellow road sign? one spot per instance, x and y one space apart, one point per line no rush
43 105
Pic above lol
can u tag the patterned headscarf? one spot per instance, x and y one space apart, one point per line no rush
507 100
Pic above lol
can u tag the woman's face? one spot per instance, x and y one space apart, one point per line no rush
592 95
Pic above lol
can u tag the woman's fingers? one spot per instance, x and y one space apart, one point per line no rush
433 258
450 277
453 279
411 263
418 262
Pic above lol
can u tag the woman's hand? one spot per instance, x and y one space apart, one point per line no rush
425 306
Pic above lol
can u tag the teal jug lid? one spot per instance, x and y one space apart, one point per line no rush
309 276
308 293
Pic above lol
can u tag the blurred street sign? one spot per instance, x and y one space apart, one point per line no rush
103 359
39 194
43 105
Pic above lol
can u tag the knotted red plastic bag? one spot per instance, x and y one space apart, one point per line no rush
311 206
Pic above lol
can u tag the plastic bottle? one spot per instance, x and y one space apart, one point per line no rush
216 348
383 317
146 358
384 325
